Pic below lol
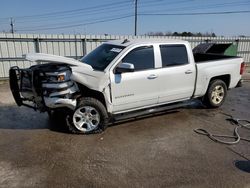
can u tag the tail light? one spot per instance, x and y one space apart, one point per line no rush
242 68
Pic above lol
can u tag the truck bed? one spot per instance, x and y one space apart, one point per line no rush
204 57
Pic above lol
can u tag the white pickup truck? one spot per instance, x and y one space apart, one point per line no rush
121 79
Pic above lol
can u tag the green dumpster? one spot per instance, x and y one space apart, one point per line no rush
231 50
217 48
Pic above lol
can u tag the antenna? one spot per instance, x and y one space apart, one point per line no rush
125 41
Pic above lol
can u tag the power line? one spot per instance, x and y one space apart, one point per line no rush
82 24
91 9
218 5
160 3
141 14
114 7
77 15
193 13
105 7
70 11
72 22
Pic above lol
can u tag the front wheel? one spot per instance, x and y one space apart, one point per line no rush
216 94
90 116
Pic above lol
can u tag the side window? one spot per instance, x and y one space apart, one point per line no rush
173 55
141 57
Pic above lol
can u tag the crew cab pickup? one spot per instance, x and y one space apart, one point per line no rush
121 79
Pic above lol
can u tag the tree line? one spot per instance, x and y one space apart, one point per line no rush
185 34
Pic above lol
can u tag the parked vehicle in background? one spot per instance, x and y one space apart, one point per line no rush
120 79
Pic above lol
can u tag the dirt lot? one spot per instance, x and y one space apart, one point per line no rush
159 151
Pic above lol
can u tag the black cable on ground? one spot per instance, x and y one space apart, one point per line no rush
240 123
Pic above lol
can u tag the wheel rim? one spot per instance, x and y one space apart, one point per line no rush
86 118
218 94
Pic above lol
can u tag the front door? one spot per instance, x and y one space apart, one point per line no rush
136 89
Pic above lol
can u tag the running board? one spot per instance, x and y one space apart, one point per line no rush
139 113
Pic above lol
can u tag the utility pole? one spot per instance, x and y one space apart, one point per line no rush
135 17
11 25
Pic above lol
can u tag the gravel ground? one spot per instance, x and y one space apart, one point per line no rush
158 151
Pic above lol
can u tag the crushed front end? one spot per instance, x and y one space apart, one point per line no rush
43 87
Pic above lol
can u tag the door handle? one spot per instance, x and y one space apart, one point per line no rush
152 76
188 72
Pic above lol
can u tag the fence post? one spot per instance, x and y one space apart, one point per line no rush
84 45
37 49
207 40
76 46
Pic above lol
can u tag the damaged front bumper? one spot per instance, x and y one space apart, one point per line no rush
43 87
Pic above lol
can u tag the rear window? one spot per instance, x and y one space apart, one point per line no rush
173 55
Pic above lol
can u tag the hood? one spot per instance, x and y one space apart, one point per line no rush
81 72
41 57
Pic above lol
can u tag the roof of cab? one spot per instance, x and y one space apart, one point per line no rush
128 42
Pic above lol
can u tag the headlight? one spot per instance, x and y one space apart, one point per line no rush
60 78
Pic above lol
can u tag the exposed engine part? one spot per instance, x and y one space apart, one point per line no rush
45 85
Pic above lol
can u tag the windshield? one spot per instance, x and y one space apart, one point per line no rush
101 57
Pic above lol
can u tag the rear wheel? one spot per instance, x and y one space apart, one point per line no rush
216 94
90 116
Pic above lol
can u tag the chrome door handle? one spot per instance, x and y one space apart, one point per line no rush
152 76
188 72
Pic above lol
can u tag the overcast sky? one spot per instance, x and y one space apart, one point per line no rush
116 17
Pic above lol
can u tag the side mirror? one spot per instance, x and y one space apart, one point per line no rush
124 67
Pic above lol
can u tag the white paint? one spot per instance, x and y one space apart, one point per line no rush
141 89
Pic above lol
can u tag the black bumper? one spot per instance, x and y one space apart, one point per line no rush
30 86
14 75
15 80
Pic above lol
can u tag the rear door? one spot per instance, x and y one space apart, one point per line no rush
177 75
136 89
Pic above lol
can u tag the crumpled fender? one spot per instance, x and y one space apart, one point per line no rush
91 79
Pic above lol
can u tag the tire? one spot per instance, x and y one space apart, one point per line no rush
90 116
216 94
